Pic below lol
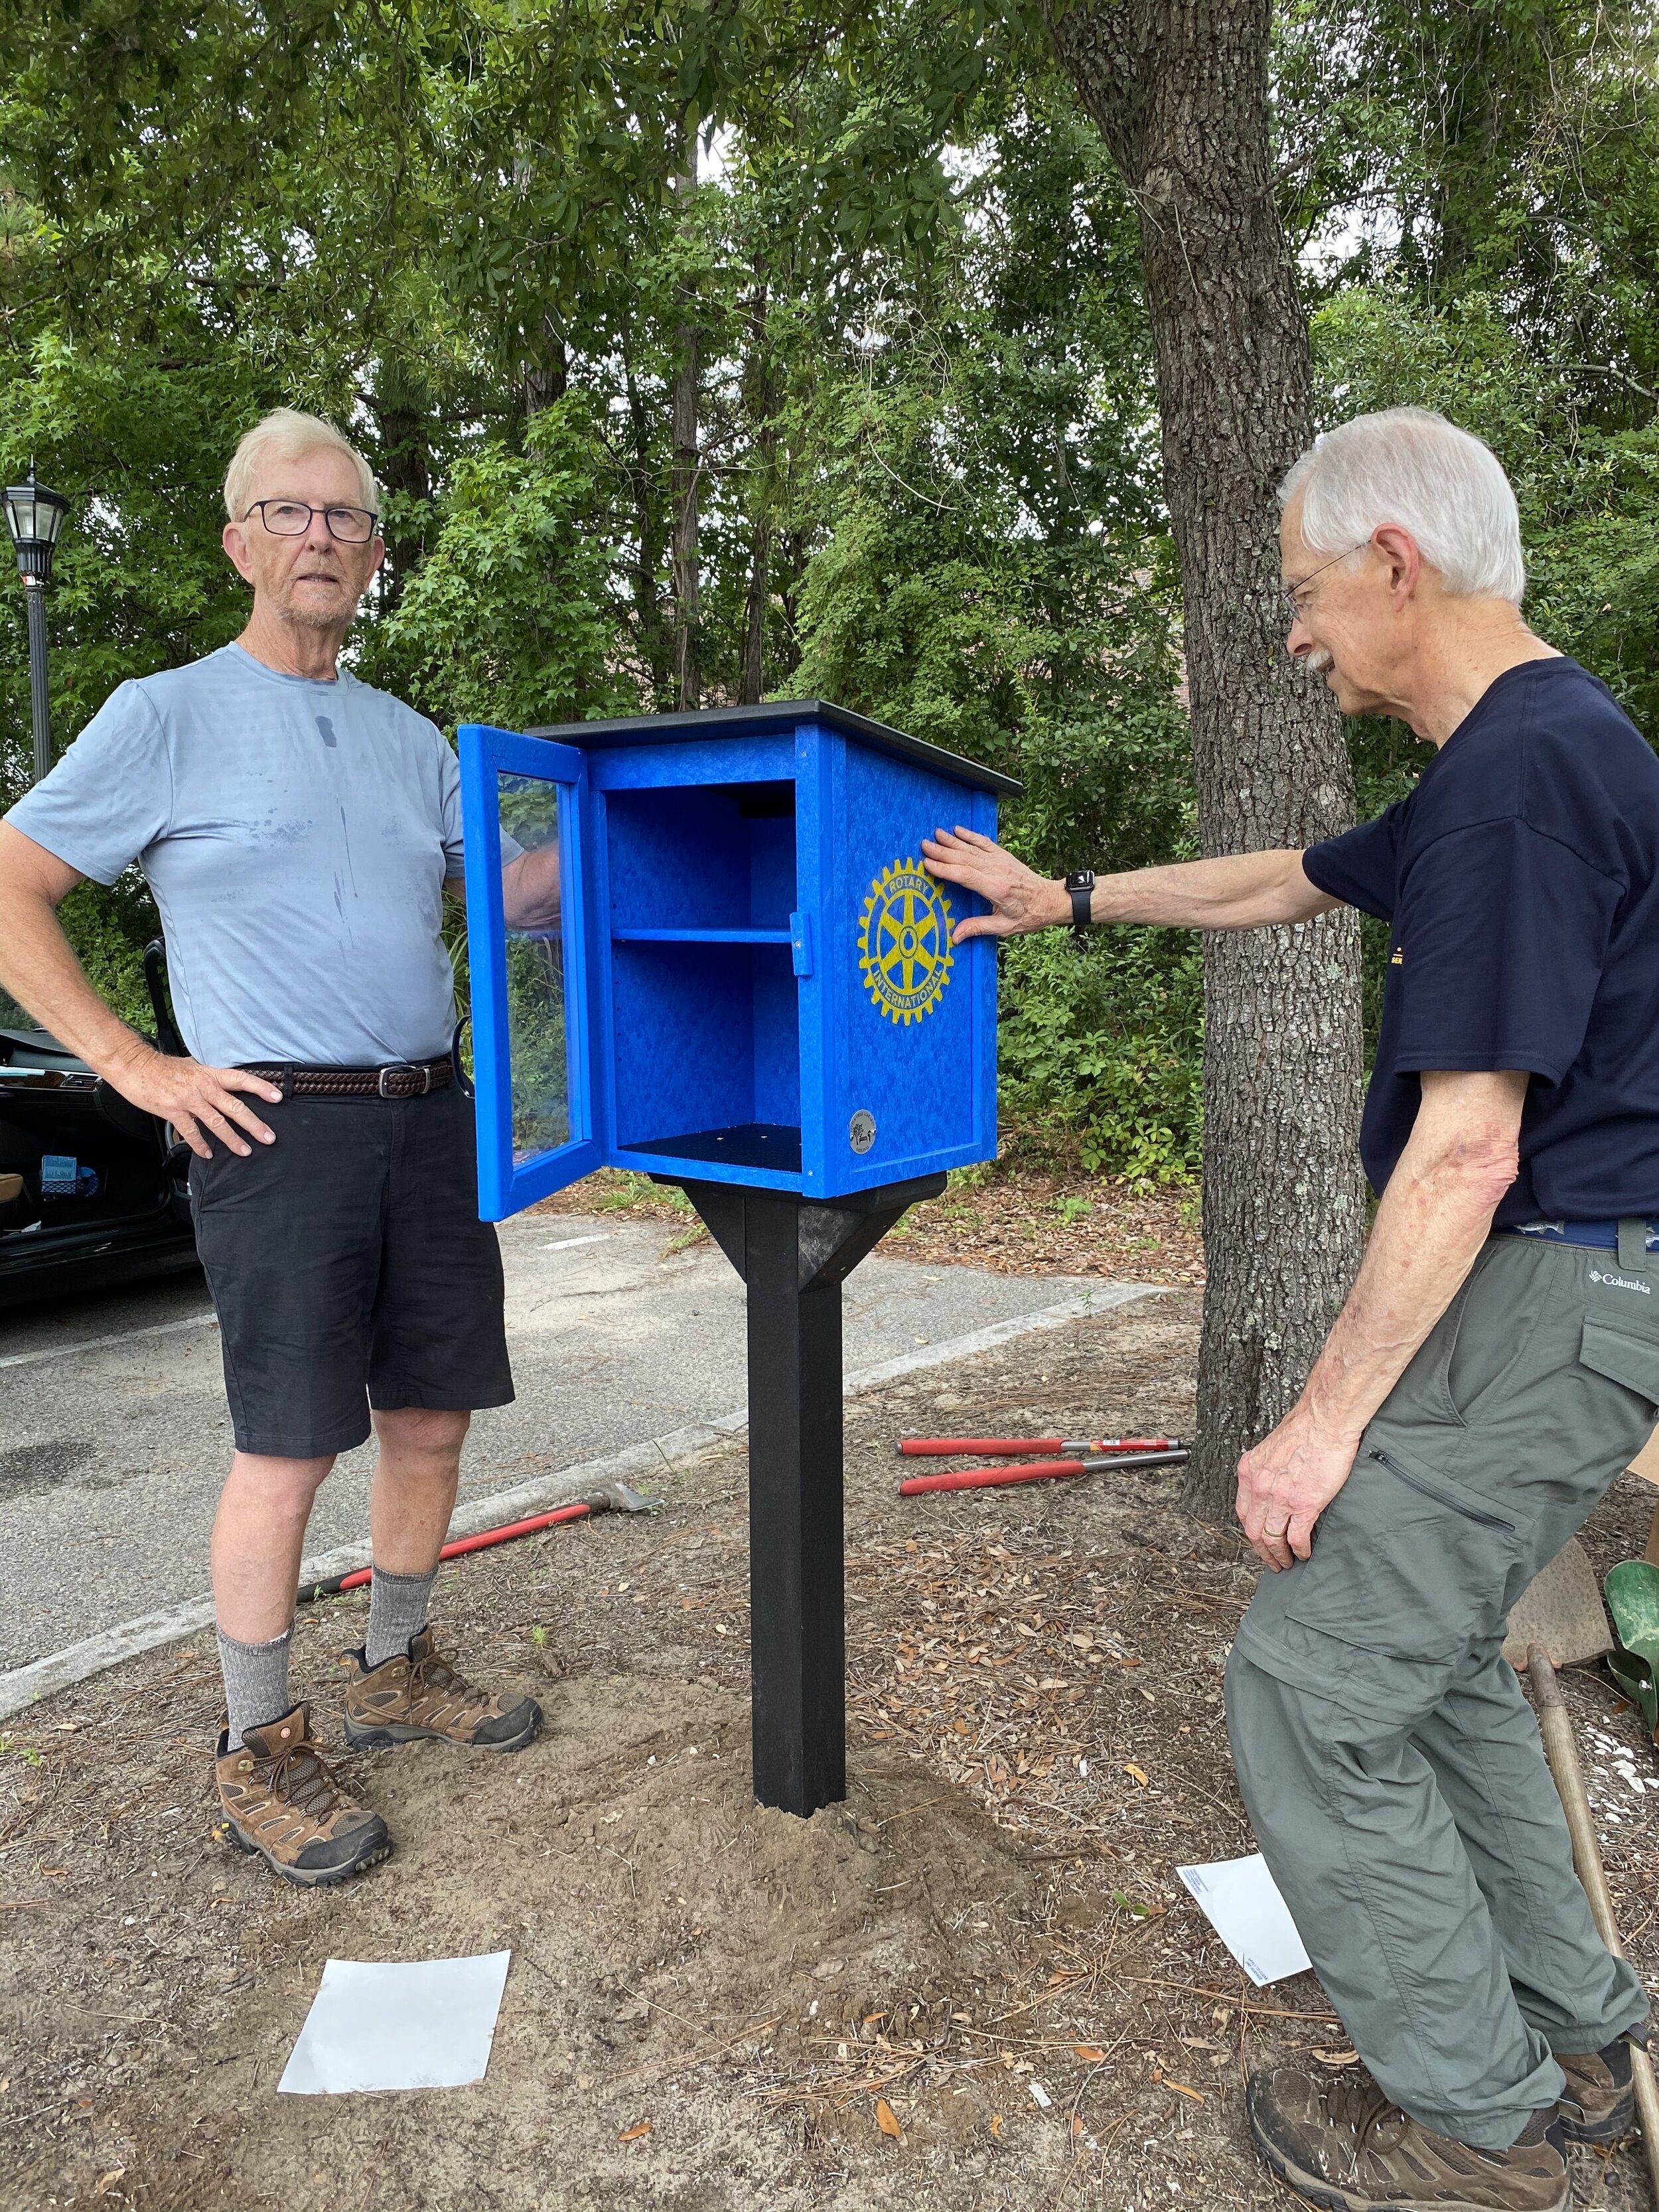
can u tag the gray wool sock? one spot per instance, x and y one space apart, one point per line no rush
397 1611
256 1682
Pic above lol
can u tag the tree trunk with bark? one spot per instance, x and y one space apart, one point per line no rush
547 380
761 391
403 413
688 462
1179 90
643 475
788 573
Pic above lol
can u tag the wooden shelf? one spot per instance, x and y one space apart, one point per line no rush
699 937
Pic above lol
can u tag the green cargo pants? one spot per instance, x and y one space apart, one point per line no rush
1389 1760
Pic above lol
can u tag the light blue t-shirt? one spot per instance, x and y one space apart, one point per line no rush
296 835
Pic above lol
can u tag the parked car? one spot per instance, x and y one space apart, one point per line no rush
92 1189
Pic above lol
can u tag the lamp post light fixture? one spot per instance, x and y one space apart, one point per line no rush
34 517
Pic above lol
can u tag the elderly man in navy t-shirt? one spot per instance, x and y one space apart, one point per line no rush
1496 1364
298 828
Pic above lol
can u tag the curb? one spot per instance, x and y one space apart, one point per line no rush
77 1663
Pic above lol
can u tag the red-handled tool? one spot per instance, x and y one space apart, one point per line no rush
997 1478
944 1447
607 1497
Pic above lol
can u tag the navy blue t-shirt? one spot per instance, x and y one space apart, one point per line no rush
1520 881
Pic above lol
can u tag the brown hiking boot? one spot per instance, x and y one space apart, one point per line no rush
419 1694
282 1803
1598 2105
1342 2145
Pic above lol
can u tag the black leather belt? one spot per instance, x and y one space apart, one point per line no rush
401 1079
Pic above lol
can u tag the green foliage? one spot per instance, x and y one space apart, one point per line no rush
109 930
140 581
1104 1045
928 468
535 1000
1586 487
1000 582
508 619
1486 178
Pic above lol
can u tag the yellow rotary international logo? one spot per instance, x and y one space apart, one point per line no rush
904 942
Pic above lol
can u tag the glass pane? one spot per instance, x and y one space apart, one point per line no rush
535 965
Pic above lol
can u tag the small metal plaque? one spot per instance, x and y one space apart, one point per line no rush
861 1131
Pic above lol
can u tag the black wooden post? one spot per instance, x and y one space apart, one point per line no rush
793 1255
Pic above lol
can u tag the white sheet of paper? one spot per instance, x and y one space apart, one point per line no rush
1241 1903
424 2025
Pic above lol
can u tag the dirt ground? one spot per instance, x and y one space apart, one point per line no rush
977 1985
1012 1218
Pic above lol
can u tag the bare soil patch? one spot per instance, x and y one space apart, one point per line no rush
976 1985
1013 1219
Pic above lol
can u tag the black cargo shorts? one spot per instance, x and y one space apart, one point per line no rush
349 1268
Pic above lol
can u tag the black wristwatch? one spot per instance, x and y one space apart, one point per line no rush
1081 885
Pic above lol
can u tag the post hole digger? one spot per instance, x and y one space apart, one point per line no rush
1099 1451
1557 1621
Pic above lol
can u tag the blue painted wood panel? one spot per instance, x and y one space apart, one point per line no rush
686 858
814 874
763 958
913 1010
690 761
509 1180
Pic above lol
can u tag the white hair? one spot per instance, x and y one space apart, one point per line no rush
1412 467
290 436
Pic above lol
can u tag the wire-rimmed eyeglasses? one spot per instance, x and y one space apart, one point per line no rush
1294 597
291 518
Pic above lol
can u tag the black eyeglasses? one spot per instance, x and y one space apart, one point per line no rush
1294 597
291 518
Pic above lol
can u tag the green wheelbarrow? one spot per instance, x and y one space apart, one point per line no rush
1632 1591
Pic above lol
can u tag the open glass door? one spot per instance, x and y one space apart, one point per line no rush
522 803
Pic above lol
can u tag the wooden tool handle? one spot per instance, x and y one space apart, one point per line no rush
1647 2108
1562 1752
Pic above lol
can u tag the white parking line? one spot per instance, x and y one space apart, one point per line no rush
569 1244
99 1343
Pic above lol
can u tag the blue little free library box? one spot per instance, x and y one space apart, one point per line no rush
702 946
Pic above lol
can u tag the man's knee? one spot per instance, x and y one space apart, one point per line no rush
423 1431
1251 1692
288 1486
1256 1719
1278 1732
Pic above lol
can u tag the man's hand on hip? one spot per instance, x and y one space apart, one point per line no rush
1285 1484
196 1099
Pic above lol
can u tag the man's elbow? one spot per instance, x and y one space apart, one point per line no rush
1477 1168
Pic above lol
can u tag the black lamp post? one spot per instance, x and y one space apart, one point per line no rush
34 516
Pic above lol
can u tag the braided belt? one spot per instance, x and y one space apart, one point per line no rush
402 1078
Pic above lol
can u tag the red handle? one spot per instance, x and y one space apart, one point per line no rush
990 1478
942 1447
484 1540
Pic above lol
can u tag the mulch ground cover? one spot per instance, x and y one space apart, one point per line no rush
977 1984
1013 1218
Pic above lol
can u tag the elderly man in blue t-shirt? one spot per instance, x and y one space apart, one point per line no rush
1496 1364
298 829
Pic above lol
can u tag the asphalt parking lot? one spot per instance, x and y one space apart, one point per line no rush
114 1434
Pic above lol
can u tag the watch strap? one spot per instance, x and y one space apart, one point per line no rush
1080 890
